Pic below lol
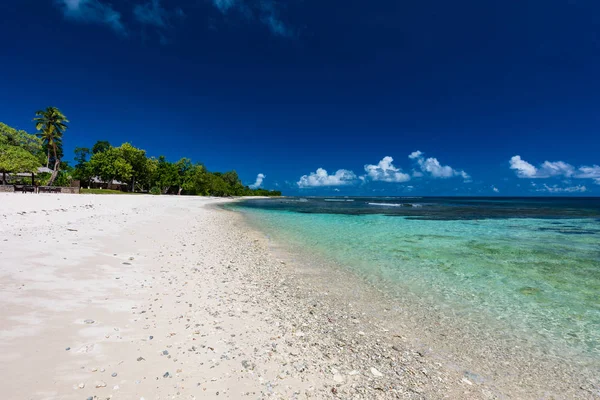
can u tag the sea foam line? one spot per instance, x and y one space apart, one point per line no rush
394 205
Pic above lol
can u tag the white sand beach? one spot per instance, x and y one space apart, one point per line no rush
161 292
166 297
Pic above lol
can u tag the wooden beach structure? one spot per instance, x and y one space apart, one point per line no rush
34 188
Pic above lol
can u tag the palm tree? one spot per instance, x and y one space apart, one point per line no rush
51 123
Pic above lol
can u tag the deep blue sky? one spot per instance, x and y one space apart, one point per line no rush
284 88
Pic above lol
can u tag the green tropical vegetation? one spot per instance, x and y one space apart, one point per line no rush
18 151
104 167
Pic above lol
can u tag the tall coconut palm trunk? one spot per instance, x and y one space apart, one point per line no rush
54 173
56 167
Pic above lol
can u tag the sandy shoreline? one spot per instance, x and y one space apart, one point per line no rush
182 300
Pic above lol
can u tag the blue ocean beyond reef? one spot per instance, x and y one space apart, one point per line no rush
531 264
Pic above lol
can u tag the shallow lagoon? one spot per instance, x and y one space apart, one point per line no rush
530 266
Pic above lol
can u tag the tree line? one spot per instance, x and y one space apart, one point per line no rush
24 152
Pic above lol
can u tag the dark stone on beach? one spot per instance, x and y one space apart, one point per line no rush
299 367
126 263
89 321
246 364
68 348
114 374
165 352
140 358
90 398
472 376
151 337
166 375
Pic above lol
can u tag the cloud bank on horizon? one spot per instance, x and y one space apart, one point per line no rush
433 167
551 169
430 168
383 171
321 178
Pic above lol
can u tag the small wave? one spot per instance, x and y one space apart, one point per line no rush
386 204
338 200
395 205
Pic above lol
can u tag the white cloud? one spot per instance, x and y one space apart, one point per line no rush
549 169
495 189
386 172
92 11
465 176
524 169
557 168
415 154
259 180
557 189
435 169
320 178
592 172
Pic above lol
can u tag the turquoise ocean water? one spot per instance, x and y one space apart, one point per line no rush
530 265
